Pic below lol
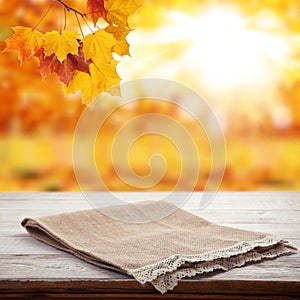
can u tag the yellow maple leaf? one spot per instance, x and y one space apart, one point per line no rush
118 11
61 43
104 75
120 33
82 81
25 40
98 45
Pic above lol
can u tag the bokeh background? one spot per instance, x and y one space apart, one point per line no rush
243 57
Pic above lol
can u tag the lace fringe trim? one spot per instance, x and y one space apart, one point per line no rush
164 275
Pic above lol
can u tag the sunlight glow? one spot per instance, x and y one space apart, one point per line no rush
217 47
226 52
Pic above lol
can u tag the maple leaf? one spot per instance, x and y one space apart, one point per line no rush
50 64
98 45
82 81
102 77
118 11
61 43
120 33
85 64
25 40
96 10
71 64
104 74
78 61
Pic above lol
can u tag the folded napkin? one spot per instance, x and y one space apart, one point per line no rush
161 252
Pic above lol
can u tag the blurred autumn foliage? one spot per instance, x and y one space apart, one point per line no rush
242 56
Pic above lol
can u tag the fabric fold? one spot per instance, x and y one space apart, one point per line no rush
161 252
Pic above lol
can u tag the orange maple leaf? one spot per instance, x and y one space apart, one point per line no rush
96 10
25 40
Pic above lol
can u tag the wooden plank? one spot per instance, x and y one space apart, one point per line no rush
266 196
143 296
231 201
28 266
46 205
253 216
253 205
67 267
147 296
51 266
241 216
207 286
25 245
218 216
285 231
40 195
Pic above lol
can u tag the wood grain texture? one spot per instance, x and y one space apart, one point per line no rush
9 217
24 244
127 296
30 268
287 231
63 265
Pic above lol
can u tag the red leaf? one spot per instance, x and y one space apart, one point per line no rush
96 10
65 70
48 64
69 65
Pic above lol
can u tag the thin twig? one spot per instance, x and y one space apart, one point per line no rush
79 25
68 8
87 24
65 15
43 17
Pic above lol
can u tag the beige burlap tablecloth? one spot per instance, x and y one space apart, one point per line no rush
160 252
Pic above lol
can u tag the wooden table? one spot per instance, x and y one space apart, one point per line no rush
30 268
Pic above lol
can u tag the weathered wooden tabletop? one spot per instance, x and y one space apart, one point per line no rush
30 268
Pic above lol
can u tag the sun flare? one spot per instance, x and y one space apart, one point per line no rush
227 52
217 45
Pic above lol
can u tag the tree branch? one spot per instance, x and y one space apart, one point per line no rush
68 8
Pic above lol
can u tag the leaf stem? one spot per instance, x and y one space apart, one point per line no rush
68 8
79 25
87 24
65 17
43 17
